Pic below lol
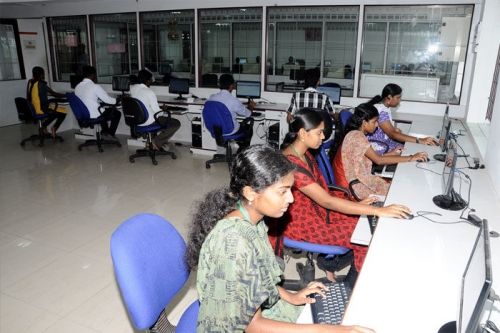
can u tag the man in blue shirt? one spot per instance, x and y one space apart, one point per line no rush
227 85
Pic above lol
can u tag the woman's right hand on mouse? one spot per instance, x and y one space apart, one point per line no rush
419 157
348 329
393 210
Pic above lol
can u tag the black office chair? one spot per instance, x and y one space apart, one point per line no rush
26 113
209 80
136 114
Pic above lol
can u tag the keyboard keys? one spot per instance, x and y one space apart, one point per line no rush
330 309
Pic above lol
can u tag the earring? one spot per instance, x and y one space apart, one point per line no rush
249 203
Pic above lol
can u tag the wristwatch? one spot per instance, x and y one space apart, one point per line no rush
417 140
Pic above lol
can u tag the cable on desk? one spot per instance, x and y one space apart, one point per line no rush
423 213
426 169
465 155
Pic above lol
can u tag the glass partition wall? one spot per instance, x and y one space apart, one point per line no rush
306 37
421 48
230 42
68 36
167 44
115 45
11 59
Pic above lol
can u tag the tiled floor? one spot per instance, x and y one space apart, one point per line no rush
58 208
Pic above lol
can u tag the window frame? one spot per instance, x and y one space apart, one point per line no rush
53 52
467 50
17 38
323 35
199 32
193 39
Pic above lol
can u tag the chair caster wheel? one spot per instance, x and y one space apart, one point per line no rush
23 144
174 157
119 145
131 160
207 166
40 145
155 162
79 148
101 150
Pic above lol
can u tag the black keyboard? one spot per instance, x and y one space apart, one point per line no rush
391 168
176 108
330 309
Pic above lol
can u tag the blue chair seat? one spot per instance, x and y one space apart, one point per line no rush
148 128
315 248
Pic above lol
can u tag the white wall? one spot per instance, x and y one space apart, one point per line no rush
493 151
488 41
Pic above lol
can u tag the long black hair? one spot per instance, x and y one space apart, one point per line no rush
365 111
257 166
390 89
306 118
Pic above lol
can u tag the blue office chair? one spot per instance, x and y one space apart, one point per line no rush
136 114
148 260
218 121
27 114
82 115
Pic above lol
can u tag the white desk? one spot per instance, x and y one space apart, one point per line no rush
410 279
271 113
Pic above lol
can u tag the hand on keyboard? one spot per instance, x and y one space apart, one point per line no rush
302 296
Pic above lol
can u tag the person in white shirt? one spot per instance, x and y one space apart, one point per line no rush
227 85
93 95
146 95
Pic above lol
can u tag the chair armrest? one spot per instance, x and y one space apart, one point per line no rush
161 113
351 184
340 189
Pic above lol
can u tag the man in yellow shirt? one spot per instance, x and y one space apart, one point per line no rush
37 94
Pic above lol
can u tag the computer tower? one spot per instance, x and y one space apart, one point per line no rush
196 132
273 135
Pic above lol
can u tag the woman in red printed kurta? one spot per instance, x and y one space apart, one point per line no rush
316 215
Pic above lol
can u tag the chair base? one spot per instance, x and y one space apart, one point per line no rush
41 139
99 143
150 153
218 158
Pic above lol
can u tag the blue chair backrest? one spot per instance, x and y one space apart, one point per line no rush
345 115
324 164
79 109
134 111
148 260
217 114
25 110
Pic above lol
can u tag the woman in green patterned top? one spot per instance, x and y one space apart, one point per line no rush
238 274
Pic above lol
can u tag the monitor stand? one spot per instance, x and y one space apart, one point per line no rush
449 327
453 201
180 98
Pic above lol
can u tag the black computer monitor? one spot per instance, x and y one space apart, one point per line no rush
450 199
178 86
248 89
475 286
218 60
332 92
444 135
121 83
74 80
297 74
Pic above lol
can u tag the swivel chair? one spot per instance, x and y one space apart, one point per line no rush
26 113
136 114
218 121
82 115
150 269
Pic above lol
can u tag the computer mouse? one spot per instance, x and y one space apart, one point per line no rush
494 234
409 216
